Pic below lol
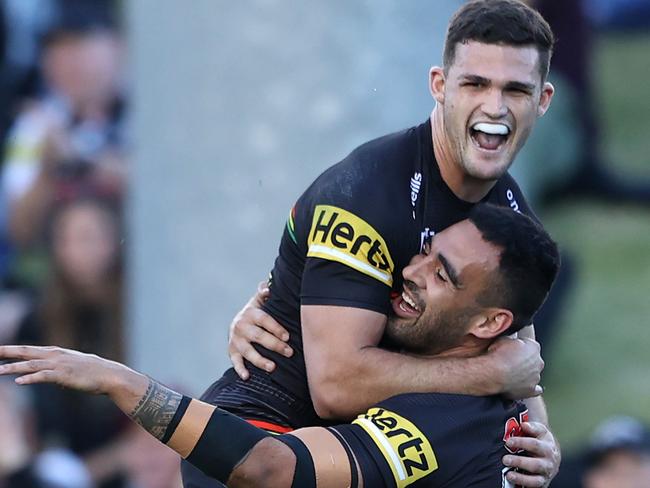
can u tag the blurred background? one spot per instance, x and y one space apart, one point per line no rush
151 151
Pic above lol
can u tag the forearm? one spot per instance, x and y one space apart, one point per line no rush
374 374
213 440
537 410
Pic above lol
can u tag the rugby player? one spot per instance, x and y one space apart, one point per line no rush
479 279
355 228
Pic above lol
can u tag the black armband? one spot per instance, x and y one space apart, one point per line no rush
180 411
305 474
225 442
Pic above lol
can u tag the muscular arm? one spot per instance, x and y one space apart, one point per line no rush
217 442
348 373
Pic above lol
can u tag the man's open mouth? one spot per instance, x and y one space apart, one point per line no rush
489 136
405 306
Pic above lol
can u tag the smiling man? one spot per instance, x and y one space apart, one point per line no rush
466 290
356 227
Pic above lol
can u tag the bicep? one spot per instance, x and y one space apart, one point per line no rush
331 463
332 333
299 459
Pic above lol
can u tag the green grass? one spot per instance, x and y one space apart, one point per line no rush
599 363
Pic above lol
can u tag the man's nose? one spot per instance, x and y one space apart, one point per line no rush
415 271
494 104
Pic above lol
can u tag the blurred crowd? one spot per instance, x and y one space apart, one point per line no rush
65 162
65 165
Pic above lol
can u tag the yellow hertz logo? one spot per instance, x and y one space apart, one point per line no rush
339 235
406 449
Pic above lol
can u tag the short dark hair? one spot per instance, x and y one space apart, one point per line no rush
508 22
528 264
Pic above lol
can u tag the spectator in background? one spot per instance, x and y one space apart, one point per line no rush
81 306
619 455
73 131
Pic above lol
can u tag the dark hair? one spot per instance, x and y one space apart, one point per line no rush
528 264
508 22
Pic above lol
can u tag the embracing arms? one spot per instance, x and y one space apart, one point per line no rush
348 373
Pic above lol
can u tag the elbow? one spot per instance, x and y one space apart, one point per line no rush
333 397
261 475
267 466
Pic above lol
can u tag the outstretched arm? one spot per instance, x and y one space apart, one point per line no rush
220 444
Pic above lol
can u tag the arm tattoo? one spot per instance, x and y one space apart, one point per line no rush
156 409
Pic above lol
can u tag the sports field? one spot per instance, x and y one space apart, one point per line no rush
599 363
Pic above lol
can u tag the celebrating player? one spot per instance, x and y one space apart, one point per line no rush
355 228
479 279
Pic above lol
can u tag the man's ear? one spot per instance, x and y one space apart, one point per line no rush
437 84
548 90
491 323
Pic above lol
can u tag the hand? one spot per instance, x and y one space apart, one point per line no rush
542 458
253 325
521 366
71 369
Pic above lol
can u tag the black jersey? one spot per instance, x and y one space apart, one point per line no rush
351 233
434 440
346 241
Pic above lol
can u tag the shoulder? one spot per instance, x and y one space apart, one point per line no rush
368 170
508 193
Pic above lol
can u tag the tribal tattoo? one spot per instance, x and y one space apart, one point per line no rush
156 409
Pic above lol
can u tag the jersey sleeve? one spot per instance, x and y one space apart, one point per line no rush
431 440
348 254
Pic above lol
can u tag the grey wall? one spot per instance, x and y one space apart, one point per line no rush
237 106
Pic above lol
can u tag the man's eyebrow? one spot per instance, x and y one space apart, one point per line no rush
520 85
516 85
449 269
475 79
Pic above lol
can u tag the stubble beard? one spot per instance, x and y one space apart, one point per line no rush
429 334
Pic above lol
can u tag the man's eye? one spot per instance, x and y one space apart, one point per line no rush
441 276
519 91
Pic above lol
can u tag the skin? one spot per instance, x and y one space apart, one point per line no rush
471 262
486 83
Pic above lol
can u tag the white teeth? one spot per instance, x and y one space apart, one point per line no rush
409 300
495 129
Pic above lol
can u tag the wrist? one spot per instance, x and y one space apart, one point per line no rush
126 387
493 379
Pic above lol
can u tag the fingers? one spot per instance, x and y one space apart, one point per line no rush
23 352
542 458
45 376
257 326
31 371
248 352
526 480
238 364
24 367
270 325
533 469
263 290
535 429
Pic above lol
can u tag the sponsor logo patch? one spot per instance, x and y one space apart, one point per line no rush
406 449
339 235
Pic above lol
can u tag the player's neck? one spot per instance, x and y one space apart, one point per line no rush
469 348
465 187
